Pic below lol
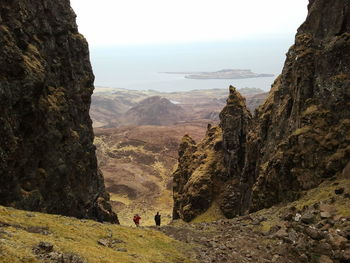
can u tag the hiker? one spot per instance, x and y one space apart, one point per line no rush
136 220
157 219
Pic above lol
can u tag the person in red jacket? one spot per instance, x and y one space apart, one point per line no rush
136 220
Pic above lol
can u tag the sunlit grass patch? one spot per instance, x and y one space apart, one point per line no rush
212 214
71 235
323 193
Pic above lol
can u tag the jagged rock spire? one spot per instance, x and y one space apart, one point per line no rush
234 121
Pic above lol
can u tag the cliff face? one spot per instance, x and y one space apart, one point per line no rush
47 159
301 134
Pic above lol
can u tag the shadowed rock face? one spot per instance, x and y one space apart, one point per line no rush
47 159
235 119
301 134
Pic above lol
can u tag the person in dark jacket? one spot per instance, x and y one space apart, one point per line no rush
157 219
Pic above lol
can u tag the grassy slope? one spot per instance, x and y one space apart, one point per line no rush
318 195
321 194
70 235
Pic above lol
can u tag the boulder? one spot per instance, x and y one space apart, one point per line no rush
325 259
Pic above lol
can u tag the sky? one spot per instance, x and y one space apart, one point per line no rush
140 22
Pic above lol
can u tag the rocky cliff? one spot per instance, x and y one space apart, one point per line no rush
300 136
47 156
302 132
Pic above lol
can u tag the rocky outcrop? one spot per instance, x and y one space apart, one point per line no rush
210 170
199 174
47 156
300 136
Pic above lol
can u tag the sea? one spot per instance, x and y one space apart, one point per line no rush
141 67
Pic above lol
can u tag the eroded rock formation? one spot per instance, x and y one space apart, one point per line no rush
234 121
47 158
199 174
209 171
301 134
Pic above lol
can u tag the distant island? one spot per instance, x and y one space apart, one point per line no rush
222 74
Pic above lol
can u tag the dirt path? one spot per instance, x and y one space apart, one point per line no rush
232 241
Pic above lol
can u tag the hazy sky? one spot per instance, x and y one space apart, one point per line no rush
119 22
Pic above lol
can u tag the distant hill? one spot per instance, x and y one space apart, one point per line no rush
154 111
